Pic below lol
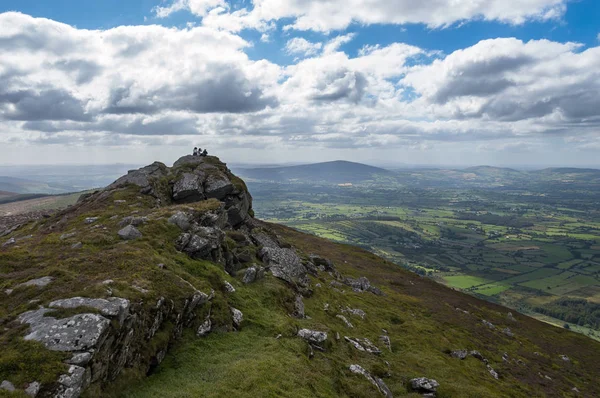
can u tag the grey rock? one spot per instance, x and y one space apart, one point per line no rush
33 389
386 341
508 332
182 220
77 245
284 264
76 333
229 287
189 188
189 159
565 358
237 317
312 336
91 220
7 386
113 307
129 233
9 242
488 324
217 186
492 372
133 220
39 282
511 317
80 359
383 389
73 383
460 354
477 354
141 177
205 328
355 311
250 275
343 318
424 385
237 209
299 307
363 345
362 284
205 244
264 240
68 235
120 201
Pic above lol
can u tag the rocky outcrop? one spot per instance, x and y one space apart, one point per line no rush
425 386
312 336
284 264
129 233
377 382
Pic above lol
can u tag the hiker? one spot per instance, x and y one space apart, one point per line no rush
195 152
204 153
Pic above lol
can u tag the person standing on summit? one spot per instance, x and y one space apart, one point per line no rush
195 152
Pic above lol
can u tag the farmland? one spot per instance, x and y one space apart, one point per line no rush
523 248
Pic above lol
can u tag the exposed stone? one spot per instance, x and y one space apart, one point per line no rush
362 284
363 345
77 245
68 236
511 317
488 324
460 354
73 383
33 389
312 336
386 341
217 186
76 333
205 328
346 322
9 242
299 307
7 386
355 311
250 275
39 282
492 372
477 354
264 240
80 359
284 264
237 317
113 307
424 385
182 220
133 220
189 188
129 233
229 287
91 220
565 358
508 332
141 177
120 201
383 389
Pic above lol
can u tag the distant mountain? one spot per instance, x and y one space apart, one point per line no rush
4 194
338 172
21 186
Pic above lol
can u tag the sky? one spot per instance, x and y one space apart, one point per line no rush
394 82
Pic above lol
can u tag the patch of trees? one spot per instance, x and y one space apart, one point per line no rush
578 311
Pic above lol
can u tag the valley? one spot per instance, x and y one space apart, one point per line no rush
530 244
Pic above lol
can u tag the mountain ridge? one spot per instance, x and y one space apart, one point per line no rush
181 283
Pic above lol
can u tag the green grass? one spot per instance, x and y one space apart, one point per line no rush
465 281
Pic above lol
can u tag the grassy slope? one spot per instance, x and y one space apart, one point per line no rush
423 324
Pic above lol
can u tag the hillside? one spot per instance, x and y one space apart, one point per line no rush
4 194
165 285
337 172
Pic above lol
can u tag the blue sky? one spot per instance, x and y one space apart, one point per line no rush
496 81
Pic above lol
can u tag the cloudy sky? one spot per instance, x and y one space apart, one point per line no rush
454 82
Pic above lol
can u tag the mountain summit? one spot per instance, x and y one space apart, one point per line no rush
164 284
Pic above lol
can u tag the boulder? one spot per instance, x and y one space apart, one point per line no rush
362 284
73 383
39 282
129 233
229 287
77 245
204 244
91 220
284 264
488 324
76 333
299 307
182 220
346 322
312 336
460 354
68 235
217 186
424 385
237 209
80 359
142 177
385 339
7 386
237 317
264 240
113 307
205 328
33 389
250 275
355 311
9 242
189 188
133 220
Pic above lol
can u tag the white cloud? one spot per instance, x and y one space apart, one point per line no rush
331 15
301 46
197 7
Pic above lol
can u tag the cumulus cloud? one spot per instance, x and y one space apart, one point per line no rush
331 15
301 46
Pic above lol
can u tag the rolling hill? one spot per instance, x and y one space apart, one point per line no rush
24 186
336 172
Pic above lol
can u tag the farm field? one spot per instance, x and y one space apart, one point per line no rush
515 248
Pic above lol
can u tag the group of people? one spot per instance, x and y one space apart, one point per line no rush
200 152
